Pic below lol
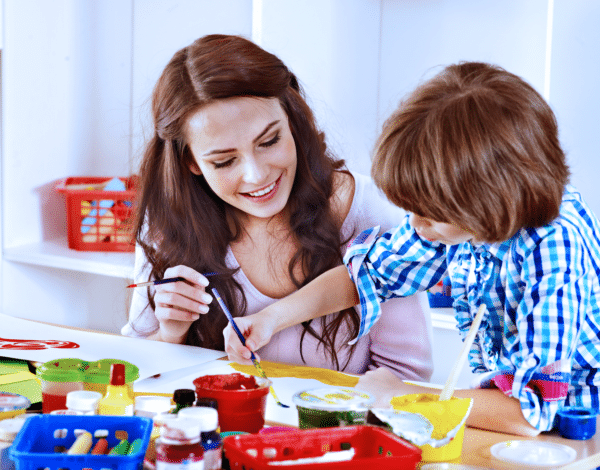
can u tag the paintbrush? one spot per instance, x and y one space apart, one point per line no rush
448 389
164 281
243 340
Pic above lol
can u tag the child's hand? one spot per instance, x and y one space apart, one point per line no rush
179 304
257 329
383 385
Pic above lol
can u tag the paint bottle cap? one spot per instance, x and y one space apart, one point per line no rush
184 396
208 402
206 417
61 370
98 372
12 402
150 405
117 374
160 419
180 430
83 400
9 428
577 422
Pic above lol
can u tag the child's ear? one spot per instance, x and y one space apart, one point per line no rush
194 168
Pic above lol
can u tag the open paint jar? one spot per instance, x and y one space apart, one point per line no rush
12 404
241 399
436 427
58 378
330 407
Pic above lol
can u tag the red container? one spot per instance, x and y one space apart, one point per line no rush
98 220
238 409
374 447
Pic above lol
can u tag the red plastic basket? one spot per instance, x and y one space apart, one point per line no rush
98 220
374 447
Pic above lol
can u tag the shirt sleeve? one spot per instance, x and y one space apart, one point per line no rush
142 321
396 264
540 343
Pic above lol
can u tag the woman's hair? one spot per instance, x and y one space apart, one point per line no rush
181 221
475 146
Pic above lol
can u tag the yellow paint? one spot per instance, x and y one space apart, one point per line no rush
326 376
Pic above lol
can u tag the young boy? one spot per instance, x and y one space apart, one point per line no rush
473 155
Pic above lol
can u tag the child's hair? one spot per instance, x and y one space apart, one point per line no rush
181 221
475 146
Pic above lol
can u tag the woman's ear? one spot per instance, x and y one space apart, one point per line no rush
194 168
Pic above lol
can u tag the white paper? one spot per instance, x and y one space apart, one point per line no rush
151 357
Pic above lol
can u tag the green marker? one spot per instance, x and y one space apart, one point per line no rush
135 447
120 449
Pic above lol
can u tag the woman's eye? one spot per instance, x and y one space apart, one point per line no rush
224 164
271 142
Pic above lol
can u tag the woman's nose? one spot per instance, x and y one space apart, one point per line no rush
254 171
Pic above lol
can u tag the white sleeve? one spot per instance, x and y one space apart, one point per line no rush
142 321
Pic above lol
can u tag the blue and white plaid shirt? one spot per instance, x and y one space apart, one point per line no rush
540 339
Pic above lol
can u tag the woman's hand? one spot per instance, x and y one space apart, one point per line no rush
179 304
257 329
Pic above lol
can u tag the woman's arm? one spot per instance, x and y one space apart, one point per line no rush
492 410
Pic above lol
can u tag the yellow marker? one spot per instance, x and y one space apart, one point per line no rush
82 444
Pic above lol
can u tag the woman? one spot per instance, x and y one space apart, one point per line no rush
237 181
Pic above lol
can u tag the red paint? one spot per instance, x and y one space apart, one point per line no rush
235 381
52 402
35 344
241 401
192 454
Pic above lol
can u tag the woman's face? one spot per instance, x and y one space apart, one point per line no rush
245 149
433 231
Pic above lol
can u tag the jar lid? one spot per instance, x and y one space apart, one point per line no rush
83 400
13 402
184 395
9 428
98 372
161 419
61 370
333 399
206 417
150 405
180 429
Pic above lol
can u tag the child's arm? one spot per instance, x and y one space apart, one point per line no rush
492 410
331 292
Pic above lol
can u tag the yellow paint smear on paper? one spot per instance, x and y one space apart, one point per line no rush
274 369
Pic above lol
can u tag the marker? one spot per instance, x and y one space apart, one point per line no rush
120 449
164 281
135 447
101 447
82 444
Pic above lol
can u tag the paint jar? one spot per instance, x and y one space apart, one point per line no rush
12 404
208 420
57 378
83 401
241 399
330 407
179 446
577 422
9 428
97 375
158 408
442 424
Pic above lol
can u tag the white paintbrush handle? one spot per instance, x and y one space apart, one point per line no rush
448 389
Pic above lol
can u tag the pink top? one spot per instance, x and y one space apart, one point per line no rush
400 340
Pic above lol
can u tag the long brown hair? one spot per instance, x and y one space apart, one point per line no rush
475 146
181 221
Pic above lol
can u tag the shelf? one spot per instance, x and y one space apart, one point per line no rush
56 254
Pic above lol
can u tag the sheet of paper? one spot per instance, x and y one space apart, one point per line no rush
285 387
34 341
